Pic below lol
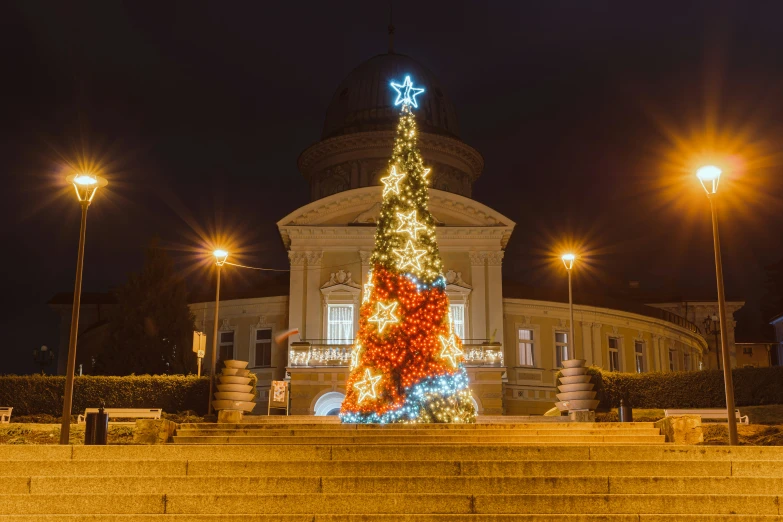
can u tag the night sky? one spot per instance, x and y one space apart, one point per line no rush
590 115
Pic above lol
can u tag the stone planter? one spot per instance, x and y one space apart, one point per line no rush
234 391
576 391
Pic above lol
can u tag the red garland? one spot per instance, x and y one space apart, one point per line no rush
406 352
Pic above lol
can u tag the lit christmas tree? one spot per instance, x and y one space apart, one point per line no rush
406 364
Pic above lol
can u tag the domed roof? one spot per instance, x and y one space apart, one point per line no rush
364 101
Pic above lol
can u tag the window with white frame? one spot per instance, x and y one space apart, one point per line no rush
526 347
561 348
263 347
672 360
458 320
339 329
614 354
226 345
638 348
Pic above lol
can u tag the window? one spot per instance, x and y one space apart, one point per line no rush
458 320
638 348
614 354
340 324
226 348
561 348
672 360
747 351
687 361
263 347
526 347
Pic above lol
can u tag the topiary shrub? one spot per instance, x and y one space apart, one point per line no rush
43 394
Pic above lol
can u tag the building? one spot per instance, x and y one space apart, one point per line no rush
515 336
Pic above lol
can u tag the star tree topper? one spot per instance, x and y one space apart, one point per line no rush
366 388
384 315
406 92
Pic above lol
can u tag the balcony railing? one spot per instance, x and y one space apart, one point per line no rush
320 352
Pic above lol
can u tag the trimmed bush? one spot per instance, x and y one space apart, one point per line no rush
697 389
43 394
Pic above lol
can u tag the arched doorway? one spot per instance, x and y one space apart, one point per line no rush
328 404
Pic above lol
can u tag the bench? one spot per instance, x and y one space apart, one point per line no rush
125 413
5 415
708 413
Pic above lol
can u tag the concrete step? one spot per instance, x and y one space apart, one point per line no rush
440 468
567 426
434 439
423 452
477 485
219 431
362 503
395 518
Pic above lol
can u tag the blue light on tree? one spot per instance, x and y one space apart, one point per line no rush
406 92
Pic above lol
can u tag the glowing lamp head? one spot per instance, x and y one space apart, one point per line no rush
568 261
86 185
220 256
709 176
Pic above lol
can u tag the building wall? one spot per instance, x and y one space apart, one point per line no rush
754 355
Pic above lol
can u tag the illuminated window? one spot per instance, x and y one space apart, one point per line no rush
263 351
458 320
339 324
638 348
226 346
614 354
526 347
561 348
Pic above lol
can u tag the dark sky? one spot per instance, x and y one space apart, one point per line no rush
589 116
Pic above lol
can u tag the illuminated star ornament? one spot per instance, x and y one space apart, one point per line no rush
424 174
384 315
391 183
367 291
356 354
366 388
406 92
409 224
409 256
450 349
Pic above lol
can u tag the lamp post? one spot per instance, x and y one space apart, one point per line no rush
709 177
43 357
568 261
220 258
85 185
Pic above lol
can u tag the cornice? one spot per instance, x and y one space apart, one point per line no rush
315 154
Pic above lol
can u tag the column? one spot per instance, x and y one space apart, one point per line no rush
494 295
478 316
313 310
598 350
296 296
365 257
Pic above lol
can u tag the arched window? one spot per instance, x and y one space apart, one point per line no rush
328 404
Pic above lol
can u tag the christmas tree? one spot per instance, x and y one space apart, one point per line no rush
406 363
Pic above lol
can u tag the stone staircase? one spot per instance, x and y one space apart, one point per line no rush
306 470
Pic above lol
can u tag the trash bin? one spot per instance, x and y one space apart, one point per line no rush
625 412
96 430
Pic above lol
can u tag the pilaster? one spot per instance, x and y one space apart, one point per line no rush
296 293
494 295
478 297
598 349
313 317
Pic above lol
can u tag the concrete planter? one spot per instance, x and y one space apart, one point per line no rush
576 391
234 391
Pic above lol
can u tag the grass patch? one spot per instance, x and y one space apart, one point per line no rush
35 433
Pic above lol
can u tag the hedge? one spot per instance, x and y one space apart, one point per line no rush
43 394
697 389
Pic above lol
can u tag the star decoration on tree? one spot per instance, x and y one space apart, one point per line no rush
384 315
356 354
367 291
425 173
406 92
409 223
366 388
450 349
392 182
409 256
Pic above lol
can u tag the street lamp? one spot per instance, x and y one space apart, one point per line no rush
220 259
43 357
568 261
85 185
710 176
